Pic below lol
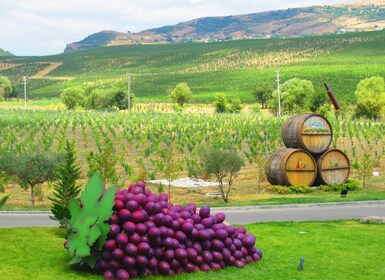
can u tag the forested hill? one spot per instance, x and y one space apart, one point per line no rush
314 20
5 53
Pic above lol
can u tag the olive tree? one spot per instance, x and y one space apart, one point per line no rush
295 96
370 93
5 87
222 162
30 169
73 97
262 92
181 94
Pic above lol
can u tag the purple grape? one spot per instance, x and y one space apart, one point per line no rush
163 197
124 215
110 244
108 274
217 245
141 229
132 206
128 262
129 227
205 267
153 233
143 248
163 267
220 217
118 254
180 254
114 230
121 274
221 234
248 241
204 212
122 239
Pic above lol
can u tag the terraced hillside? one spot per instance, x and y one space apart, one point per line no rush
232 67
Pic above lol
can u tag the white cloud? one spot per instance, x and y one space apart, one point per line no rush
40 27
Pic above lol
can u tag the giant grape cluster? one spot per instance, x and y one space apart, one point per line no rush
149 235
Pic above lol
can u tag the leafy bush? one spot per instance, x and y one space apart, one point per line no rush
350 184
291 189
73 97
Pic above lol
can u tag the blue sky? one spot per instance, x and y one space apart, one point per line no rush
43 27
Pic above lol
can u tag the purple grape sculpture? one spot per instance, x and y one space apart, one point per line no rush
147 235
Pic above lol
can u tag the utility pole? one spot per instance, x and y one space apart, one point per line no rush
25 91
128 92
279 95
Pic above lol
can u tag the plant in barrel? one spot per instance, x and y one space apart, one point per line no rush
133 232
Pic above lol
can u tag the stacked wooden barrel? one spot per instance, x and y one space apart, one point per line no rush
307 158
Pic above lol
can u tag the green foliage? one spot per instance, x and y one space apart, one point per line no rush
3 200
114 98
235 105
295 94
88 225
370 95
350 184
5 87
65 188
104 162
73 97
291 189
220 103
222 162
365 166
181 94
30 169
262 92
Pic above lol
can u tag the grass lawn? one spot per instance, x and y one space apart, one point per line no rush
332 250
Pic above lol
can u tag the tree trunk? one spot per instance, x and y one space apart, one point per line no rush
32 196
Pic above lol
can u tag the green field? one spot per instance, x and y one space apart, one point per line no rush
332 250
232 67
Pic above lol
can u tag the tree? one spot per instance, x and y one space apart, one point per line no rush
222 162
295 96
30 169
169 163
73 97
263 92
5 87
109 99
4 178
104 162
235 105
220 103
65 189
370 93
181 94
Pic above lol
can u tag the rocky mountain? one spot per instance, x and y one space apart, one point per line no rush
314 20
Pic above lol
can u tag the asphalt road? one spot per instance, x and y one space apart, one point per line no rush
239 215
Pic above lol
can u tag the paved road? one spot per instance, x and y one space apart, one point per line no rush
240 215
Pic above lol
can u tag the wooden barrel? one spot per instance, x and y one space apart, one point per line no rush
333 167
291 167
310 132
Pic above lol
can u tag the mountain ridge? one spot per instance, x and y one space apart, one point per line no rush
292 22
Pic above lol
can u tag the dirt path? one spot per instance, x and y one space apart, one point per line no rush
53 65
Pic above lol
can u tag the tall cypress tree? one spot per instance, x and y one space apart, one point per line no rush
65 188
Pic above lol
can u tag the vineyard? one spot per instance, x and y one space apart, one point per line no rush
232 67
139 141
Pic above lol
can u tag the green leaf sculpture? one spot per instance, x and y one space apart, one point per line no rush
88 225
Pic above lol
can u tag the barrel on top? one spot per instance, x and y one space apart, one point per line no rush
333 167
291 167
310 132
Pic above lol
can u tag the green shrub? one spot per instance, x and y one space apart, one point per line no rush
281 190
301 189
350 184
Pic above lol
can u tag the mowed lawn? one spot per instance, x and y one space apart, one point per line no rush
331 250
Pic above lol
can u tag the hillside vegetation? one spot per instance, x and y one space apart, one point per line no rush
292 22
232 67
